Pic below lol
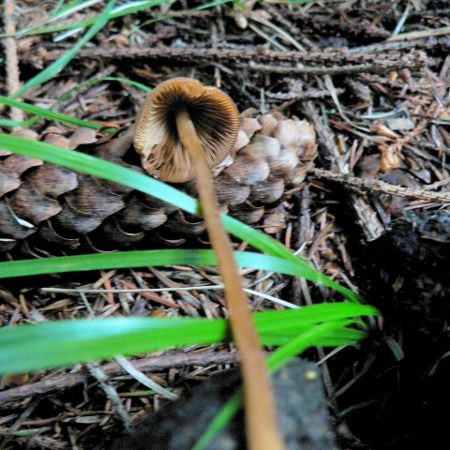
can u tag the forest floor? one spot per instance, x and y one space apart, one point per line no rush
373 78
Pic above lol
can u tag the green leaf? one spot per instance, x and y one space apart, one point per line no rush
104 169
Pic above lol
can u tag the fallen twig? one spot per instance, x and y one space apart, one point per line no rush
422 34
149 364
329 62
424 43
374 185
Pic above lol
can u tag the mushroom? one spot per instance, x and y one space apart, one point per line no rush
183 130
180 111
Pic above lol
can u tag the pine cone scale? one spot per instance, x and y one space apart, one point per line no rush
9 181
43 207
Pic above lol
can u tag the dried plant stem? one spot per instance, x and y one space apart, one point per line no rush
262 429
97 372
12 62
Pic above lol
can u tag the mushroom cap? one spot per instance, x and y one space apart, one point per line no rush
213 113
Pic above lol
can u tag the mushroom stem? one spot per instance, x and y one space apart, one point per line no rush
262 428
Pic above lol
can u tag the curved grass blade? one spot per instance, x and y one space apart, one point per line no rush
48 114
94 81
117 12
104 169
153 258
59 117
54 344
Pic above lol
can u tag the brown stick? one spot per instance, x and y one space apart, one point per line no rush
332 62
112 369
374 185
262 429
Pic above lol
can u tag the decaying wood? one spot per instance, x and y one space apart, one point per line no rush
324 62
367 217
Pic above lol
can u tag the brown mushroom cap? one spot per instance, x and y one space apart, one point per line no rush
213 113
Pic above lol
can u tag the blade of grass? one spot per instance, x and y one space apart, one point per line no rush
54 68
48 114
11 123
51 115
207 5
117 12
93 81
53 16
54 344
314 314
60 343
70 8
104 169
166 257
144 258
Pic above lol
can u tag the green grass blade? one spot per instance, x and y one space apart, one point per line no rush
206 5
220 420
57 8
62 62
10 123
104 169
48 114
53 344
54 15
94 81
119 260
322 312
116 13
132 9
144 258
68 9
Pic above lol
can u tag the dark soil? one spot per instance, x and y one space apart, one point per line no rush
302 414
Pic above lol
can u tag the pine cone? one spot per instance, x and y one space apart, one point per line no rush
48 209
